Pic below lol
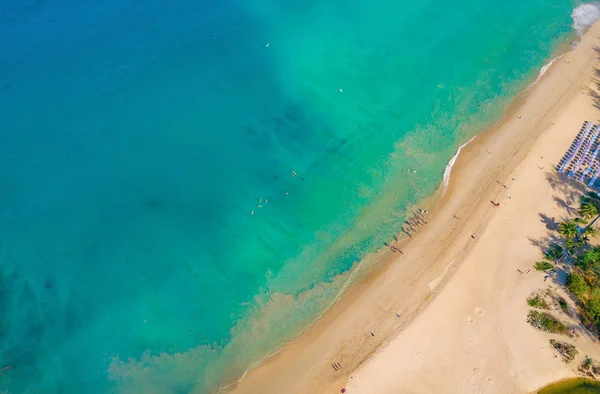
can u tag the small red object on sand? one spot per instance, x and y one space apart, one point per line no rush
343 390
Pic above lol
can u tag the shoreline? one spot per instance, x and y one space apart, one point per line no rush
342 334
525 357
450 166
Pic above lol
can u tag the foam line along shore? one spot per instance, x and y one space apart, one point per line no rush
358 332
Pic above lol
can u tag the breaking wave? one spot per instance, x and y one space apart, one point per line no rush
584 16
450 164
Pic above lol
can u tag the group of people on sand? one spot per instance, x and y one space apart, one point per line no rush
414 222
411 225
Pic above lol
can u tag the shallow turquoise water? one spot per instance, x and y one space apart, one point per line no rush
137 140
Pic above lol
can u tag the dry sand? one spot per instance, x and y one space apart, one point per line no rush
461 301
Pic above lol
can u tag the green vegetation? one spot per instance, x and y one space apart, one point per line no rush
566 350
546 322
583 280
584 283
563 305
578 285
590 205
537 301
591 231
589 260
554 252
576 238
572 386
543 266
568 229
588 209
580 221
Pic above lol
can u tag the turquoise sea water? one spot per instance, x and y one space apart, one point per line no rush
137 142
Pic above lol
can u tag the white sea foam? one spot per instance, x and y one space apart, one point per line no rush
450 164
543 71
585 15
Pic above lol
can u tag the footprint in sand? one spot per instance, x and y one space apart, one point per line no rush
478 311
469 319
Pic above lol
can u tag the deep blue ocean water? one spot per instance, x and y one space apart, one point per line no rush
180 183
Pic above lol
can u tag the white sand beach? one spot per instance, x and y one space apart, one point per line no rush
451 315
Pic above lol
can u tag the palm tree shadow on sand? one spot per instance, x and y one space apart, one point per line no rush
567 238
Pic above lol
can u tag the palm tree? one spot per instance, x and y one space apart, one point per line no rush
554 252
583 239
568 229
591 231
588 210
591 198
